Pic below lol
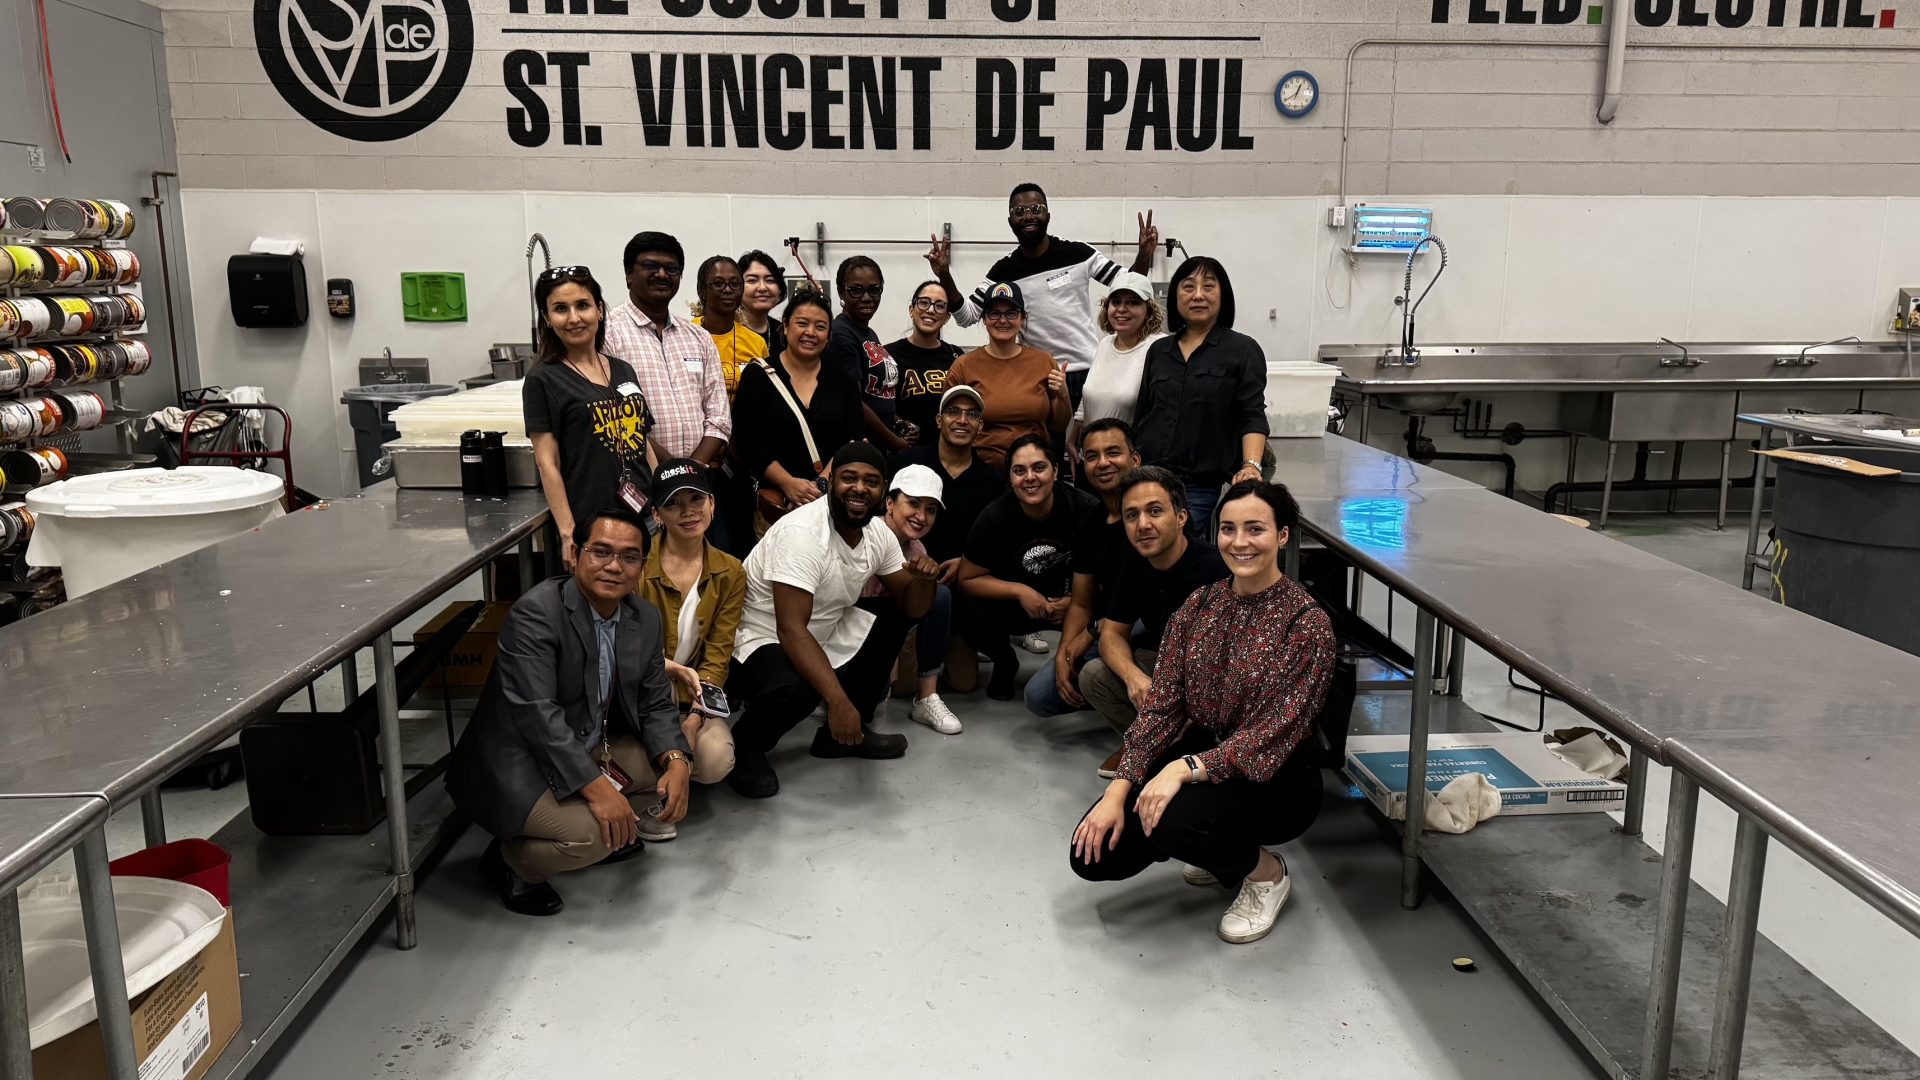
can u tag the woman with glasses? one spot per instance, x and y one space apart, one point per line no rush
792 412
1203 396
1133 323
856 350
763 288
585 414
1024 390
924 359
719 285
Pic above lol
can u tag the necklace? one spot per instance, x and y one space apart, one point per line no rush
605 371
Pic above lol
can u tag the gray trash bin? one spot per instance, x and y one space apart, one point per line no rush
367 410
1847 547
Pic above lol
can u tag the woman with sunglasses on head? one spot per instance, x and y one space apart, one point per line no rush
763 289
792 412
924 359
1024 390
856 350
1203 395
585 414
1133 323
719 284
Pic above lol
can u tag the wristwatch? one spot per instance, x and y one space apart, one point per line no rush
671 756
1250 461
1193 766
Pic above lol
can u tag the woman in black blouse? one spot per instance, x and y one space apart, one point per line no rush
767 435
1203 397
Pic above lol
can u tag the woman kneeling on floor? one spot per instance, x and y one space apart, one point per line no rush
1243 670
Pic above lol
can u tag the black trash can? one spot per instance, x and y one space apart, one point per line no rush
1847 547
367 410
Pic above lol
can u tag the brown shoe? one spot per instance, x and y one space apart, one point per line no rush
1112 765
963 668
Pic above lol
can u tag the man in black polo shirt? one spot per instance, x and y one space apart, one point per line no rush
1100 552
1166 568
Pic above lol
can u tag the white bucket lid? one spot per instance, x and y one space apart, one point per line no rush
190 489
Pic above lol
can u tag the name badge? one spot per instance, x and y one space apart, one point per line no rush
627 389
695 366
1059 279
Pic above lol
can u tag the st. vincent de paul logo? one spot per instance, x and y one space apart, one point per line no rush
370 70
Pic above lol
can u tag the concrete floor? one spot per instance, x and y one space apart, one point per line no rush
917 918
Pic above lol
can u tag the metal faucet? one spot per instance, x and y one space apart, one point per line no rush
546 255
1685 359
1408 355
1803 360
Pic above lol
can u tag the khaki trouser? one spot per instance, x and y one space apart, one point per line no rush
712 751
1107 692
562 834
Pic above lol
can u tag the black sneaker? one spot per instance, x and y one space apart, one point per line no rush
519 897
752 777
623 854
874 746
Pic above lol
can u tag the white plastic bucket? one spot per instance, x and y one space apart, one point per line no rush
1298 393
84 524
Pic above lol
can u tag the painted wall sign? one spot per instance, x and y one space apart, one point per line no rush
1725 14
371 70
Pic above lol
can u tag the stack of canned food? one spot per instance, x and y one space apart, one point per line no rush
47 366
38 267
80 219
27 318
38 417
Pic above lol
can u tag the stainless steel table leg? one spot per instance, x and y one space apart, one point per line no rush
1606 484
1726 481
1736 961
103 955
1753 511
1456 663
1670 925
1366 417
350 678
400 856
16 1060
1636 809
1423 631
153 818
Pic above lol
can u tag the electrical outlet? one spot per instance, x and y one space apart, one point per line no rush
1336 217
37 158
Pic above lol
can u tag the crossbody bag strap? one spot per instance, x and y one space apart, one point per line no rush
813 452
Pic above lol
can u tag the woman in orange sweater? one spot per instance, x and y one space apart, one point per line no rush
1023 390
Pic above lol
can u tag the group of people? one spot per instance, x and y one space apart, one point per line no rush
767 517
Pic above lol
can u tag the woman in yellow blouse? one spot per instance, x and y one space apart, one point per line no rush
718 284
700 592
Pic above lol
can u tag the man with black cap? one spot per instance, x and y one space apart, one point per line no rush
803 640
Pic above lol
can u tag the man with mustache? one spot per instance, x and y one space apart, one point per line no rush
803 640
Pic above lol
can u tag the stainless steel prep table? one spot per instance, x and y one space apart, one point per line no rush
1847 429
1641 646
114 692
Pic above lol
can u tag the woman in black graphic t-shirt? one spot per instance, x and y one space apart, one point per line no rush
585 414
924 359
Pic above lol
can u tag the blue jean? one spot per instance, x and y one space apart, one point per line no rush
1043 696
1201 500
936 628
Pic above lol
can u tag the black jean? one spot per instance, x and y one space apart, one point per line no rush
1217 827
778 697
987 624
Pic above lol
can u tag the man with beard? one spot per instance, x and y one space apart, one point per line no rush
1053 274
803 640
1166 566
1107 458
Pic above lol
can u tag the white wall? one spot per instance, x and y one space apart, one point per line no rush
1523 268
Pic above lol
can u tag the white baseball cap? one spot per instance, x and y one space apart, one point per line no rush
1134 282
917 481
962 390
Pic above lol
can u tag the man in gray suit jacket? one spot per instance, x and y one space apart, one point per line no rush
576 717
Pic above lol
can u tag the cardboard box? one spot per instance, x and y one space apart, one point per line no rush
180 1026
468 665
1531 780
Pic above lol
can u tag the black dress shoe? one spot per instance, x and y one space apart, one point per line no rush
623 854
874 745
752 777
519 897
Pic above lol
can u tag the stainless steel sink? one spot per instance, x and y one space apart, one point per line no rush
1614 366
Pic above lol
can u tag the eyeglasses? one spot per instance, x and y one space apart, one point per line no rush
601 553
1002 316
725 286
558 272
971 416
649 267
928 303
1019 212
869 291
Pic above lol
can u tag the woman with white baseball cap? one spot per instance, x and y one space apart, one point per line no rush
1133 322
913 504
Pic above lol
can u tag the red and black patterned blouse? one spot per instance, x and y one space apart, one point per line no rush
1253 670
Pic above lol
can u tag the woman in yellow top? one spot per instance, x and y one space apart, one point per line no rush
700 592
718 286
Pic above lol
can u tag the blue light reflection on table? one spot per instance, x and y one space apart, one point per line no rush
1375 523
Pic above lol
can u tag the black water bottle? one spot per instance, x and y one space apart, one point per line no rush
493 462
473 467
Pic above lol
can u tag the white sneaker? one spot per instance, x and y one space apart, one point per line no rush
933 712
1251 914
1033 643
652 829
1196 876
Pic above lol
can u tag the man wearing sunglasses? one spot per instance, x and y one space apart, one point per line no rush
577 732
676 361
1054 275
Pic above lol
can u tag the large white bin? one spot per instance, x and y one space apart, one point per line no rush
101 528
1298 393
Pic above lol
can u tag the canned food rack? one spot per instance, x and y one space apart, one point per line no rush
68 296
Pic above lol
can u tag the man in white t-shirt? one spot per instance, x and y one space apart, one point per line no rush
802 641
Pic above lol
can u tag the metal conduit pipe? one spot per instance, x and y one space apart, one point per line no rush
1617 21
1346 85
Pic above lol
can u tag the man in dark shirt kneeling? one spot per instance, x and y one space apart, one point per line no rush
1166 567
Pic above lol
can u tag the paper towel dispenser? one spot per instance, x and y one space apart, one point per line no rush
267 290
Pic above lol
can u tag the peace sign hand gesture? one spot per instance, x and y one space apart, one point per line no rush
1149 236
939 256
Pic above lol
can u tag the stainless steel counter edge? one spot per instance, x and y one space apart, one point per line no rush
44 842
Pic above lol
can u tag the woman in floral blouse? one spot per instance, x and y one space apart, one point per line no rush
1243 670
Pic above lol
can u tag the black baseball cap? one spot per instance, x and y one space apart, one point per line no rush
1005 292
676 475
